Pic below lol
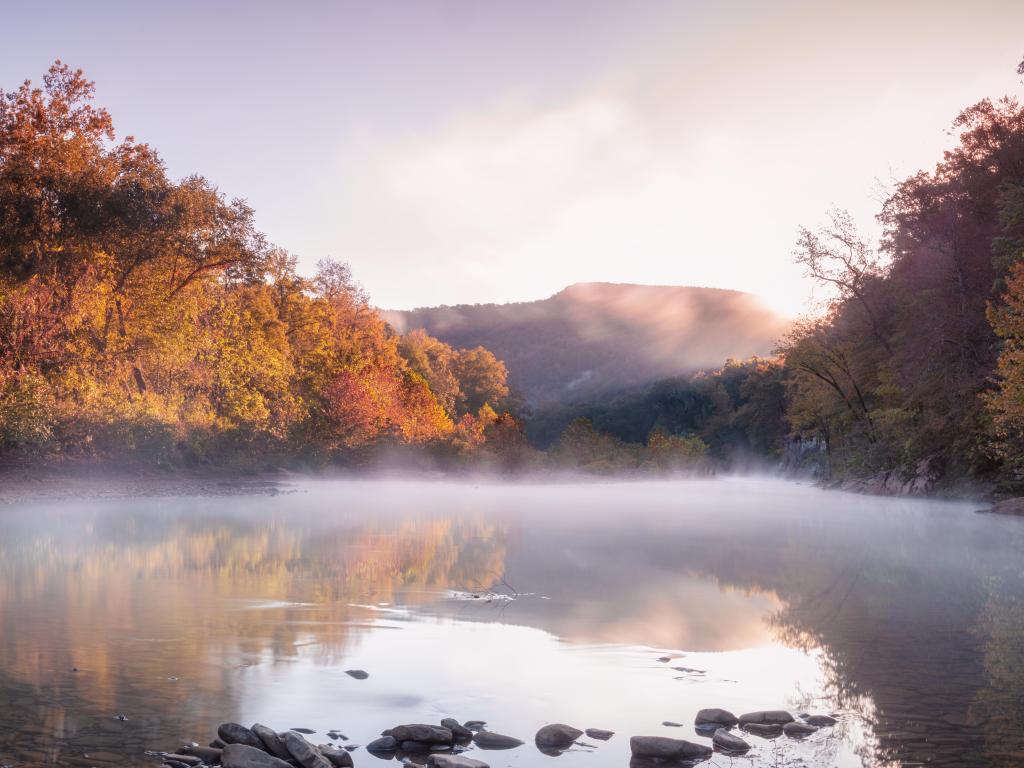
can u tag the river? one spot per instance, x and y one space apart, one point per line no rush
518 604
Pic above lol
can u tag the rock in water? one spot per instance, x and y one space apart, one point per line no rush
764 731
720 717
183 759
491 740
243 756
672 724
358 674
798 730
302 730
767 717
729 742
556 736
820 720
383 744
459 732
303 751
233 733
272 743
599 733
428 734
339 758
664 748
455 761
206 754
475 725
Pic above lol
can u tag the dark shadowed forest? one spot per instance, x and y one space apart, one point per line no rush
147 320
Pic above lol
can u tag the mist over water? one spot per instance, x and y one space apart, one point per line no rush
516 604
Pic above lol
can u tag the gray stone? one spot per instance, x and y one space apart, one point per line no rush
218 744
599 733
767 717
556 736
358 674
459 732
455 761
243 756
722 717
206 754
419 746
233 733
798 730
336 757
820 720
475 725
672 724
664 748
303 730
184 759
272 743
728 741
429 734
383 744
303 751
491 740
764 731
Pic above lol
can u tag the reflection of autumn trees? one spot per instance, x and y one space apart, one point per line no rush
194 599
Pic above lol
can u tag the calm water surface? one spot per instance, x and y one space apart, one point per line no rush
905 616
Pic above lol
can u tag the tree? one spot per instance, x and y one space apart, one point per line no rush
483 380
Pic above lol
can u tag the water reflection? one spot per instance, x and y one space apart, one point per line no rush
186 612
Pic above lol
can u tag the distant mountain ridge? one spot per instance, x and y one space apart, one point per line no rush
594 338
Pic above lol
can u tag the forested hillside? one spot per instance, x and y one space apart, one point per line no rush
146 318
596 339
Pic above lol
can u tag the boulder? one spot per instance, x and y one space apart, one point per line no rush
428 734
304 752
455 761
798 730
556 736
272 743
491 740
664 748
599 733
720 717
233 733
728 741
459 732
339 758
475 725
243 756
767 717
383 744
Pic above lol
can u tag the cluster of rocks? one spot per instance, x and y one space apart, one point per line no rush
717 724
438 746
258 747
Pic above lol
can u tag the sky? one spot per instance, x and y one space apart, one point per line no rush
464 151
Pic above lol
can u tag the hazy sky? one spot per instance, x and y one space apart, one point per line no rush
463 150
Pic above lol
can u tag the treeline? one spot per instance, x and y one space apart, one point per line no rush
737 413
917 362
145 318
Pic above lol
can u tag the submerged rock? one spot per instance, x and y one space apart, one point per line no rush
303 730
206 754
767 717
183 759
599 733
556 736
358 674
671 724
713 716
664 748
820 720
491 740
233 733
428 734
475 725
459 732
798 730
455 761
238 755
728 741
272 743
762 730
